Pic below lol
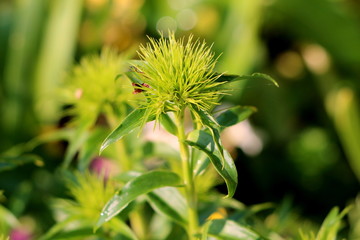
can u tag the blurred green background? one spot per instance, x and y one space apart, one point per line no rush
304 142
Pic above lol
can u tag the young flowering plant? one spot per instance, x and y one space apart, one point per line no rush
177 76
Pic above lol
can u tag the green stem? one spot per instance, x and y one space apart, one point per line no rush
188 178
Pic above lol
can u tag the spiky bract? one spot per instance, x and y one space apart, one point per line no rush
92 86
178 75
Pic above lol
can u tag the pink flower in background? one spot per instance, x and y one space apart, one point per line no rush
20 234
103 167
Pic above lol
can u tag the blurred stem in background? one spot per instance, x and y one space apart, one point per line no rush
340 100
56 55
21 52
342 105
239 38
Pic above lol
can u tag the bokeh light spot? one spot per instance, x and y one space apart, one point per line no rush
166 24
187 19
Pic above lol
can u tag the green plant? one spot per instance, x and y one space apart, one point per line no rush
178 78
141 189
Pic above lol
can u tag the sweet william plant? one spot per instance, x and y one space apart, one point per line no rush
171 197
176 76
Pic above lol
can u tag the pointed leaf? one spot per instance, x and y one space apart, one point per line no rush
140 185
230 230
58 227
235 78
332 224
225 119
132 121
204 142
234 115
201 161
169 202
78 233
168 123
122 228
214 128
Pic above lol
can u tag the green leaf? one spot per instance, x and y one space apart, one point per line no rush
160 227
169 202
234 115
168 123
226 118
214 128
204 142
140 185
134 77
200 161
234 78
78 233
230 230
122 228
57 228
132 121
332 224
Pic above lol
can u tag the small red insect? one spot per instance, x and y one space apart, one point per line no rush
137 87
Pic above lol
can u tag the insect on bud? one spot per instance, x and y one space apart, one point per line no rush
138 87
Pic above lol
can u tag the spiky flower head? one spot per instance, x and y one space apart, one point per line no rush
90 192
178 74
93 86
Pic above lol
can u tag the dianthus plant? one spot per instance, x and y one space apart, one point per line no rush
175 77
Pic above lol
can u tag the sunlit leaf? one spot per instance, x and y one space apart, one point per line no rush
227 118
140 185
201 161
230 230
204 142
214 129
169 202
229 79
332 224
131 122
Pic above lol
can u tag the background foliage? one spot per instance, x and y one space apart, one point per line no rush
300 151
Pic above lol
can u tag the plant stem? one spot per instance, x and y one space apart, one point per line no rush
188 178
